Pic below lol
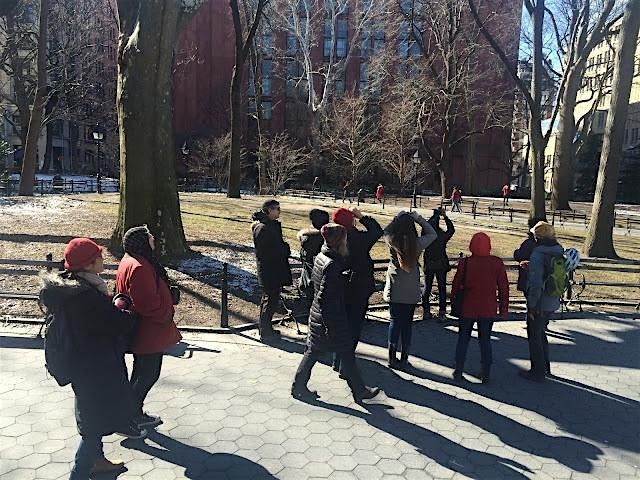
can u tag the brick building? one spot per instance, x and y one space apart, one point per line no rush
205 58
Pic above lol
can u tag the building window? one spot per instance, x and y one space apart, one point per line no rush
292 43
267 43
407 45
364 78
634 134
341 38
371 42
267 66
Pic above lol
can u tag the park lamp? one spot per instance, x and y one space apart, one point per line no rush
98 135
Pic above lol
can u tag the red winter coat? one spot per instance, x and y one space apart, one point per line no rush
485 275
379 192
152 301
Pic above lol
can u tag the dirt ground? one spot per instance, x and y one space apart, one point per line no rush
218 232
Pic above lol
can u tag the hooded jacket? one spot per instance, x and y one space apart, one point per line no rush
329 329
272 252
152 300
103 394
541 254
484 276
362 282
310 244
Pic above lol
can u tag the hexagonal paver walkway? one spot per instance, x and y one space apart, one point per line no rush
228 414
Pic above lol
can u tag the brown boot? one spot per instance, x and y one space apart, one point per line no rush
103 465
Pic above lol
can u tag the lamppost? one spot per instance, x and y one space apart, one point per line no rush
98 138
416 161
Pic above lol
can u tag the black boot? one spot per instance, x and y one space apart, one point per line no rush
365 394
302 392
393 359
486 373
404 359
426 312
457 373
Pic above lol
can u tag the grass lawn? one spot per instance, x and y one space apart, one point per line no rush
218 228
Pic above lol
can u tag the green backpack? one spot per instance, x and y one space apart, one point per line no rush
556 279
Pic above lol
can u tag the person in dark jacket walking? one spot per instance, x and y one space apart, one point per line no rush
272 255
329 329
522 254
402 286
479 276
436 264
310 244
361 282
540 305
80 299
146 282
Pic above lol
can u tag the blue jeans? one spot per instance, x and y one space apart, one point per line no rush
89 450
484 339
401 323
441 277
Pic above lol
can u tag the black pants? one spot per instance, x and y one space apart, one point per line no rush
145 374
268 306
538 344
348 370
356 316
441 277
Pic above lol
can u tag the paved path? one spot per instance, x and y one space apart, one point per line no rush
228 415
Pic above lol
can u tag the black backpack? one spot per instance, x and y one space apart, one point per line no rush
58 348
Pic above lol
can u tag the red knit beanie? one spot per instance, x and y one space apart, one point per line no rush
343 216
80 253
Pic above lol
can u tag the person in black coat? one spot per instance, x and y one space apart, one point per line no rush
310 244
329 330
272 254
361 282
523 253
97 332
436 264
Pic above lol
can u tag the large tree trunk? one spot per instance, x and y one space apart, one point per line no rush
233 187
30 155
599 240
536 137
16 62
148 192
562 180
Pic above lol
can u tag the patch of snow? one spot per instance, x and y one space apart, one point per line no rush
51 205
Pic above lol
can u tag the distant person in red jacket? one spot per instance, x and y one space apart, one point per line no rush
142 277
456 200
479 275
506 191
379 192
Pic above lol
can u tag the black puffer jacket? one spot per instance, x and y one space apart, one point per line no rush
103 394
310 244
328 327
362 283
435 255
272 252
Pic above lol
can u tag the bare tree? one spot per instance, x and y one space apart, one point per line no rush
599 239
577 33
349 134
245 30
149 31
210 157
336 27
29 159
285 162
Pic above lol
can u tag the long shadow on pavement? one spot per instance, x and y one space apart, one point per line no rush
198 463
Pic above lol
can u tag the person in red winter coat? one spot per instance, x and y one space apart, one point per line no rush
480 276
142 278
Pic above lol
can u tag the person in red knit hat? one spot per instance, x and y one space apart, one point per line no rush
361 283
480 276
79 310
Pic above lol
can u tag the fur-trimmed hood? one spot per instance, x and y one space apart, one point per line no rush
58 287
306 233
